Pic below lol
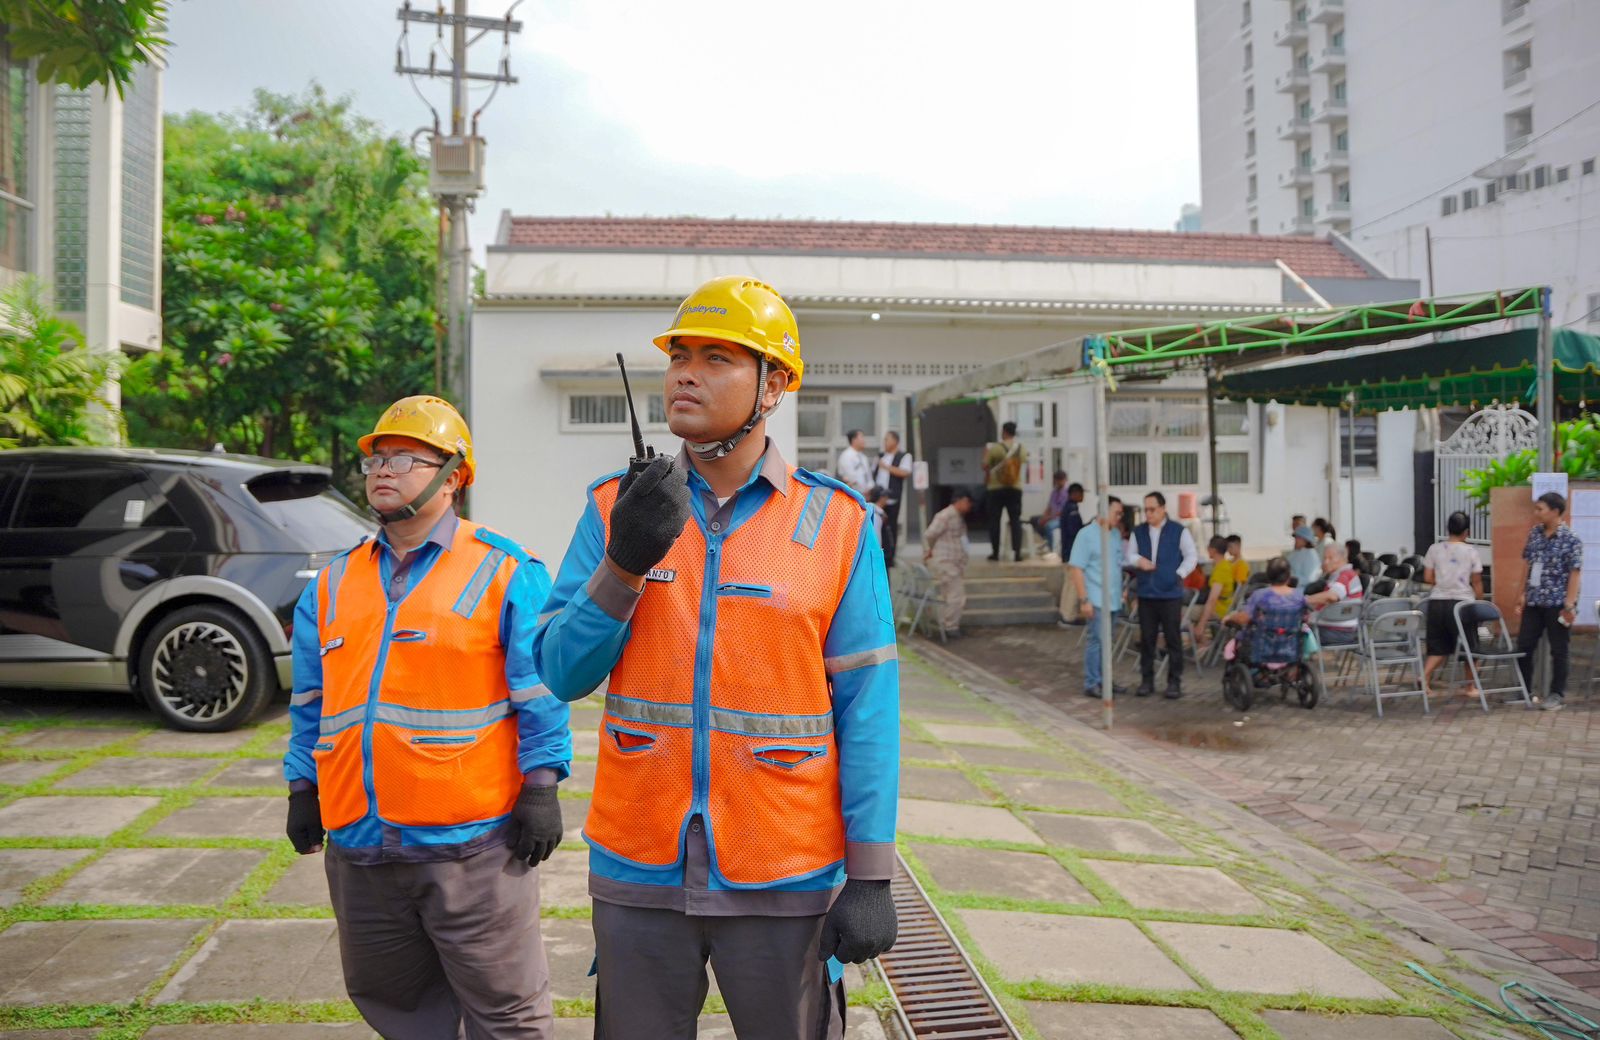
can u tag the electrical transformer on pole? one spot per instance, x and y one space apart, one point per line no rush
455 168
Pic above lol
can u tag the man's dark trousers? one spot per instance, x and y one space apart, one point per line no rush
1156 617
1540 621
891 530
1009 499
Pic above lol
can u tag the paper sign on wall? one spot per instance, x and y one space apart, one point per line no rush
1547 482
919 475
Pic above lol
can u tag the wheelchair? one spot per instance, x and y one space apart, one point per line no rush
1270 653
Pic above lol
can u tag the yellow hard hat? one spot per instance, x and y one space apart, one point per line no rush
743 311
431 420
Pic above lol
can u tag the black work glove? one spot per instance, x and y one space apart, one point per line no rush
305 821
862 923
535 826
648 516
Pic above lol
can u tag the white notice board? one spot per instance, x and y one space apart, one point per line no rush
1584 516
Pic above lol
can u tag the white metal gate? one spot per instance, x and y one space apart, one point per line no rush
1490 435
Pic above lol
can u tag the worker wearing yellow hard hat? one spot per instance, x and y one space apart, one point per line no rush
424 750
737 610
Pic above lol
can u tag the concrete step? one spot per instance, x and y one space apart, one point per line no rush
1011 601
981 618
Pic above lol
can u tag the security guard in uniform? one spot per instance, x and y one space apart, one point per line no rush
744 804
422 740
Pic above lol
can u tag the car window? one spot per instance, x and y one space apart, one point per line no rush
306 505
93 495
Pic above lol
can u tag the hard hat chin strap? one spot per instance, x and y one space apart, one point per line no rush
413 507
707 451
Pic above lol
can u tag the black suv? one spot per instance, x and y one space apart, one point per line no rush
174 573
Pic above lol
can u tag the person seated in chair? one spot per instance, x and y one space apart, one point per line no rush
1342 582
1271 619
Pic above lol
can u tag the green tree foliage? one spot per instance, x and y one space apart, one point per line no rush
1577 455
51 390
299 260
85 43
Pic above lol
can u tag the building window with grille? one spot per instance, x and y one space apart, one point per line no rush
1233 467
1366 445
605 412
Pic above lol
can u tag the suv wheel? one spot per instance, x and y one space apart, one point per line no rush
205 668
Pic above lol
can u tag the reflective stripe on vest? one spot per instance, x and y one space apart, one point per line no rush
417 724
740 729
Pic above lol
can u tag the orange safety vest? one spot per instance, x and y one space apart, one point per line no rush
740 618
417 725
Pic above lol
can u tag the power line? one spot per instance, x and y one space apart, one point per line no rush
1466 177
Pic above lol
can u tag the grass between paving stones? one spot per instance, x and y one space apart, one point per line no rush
248 902
1292 907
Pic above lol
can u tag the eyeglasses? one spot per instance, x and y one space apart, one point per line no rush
399 465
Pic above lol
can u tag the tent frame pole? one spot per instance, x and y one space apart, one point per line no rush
1102 483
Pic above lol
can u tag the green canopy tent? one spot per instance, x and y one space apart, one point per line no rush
1283 349
1459 372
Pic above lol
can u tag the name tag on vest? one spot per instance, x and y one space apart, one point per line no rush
661 574
332 644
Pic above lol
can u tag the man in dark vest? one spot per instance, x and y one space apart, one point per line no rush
1163 554
894 466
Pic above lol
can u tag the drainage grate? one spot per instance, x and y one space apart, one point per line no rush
938 994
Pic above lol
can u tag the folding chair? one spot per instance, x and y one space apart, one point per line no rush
927 599
1394 639
1469 615
1328 618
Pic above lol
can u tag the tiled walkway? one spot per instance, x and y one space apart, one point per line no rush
1102 899
146 889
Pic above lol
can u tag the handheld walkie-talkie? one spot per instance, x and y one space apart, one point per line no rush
642 456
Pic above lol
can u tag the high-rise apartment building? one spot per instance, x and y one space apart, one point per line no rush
1453 141
80 200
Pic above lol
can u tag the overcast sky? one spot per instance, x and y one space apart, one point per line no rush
1063 112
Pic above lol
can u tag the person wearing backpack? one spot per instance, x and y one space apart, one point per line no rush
1003 462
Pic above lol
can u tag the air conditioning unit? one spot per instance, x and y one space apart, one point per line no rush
457 167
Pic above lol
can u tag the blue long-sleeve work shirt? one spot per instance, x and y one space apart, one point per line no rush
544 736
586 628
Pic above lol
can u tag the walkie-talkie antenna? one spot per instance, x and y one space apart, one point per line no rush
639 451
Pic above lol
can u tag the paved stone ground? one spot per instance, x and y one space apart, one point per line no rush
145 887
1491 819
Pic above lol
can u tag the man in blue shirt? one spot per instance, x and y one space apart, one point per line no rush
1548 603
738 610
1088 570
423 741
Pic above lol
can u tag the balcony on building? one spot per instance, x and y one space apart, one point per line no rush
1332 110
1294 129
1329 59
1295 225
1295 177
1291 81
1326 12
1334 160
1290 33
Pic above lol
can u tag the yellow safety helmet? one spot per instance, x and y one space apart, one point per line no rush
431 420
744 311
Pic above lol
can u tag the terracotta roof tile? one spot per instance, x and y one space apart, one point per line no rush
1310 257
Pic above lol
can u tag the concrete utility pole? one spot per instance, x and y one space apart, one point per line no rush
455 173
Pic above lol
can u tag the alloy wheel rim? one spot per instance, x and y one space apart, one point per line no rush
199 671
